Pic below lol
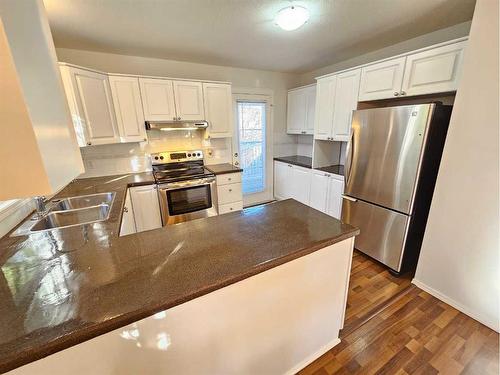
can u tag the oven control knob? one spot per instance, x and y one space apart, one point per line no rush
161 157
189 155
198 154
156 157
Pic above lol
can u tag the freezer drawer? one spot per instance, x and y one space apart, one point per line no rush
382 231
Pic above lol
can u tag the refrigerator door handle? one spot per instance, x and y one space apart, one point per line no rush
349 155
349 198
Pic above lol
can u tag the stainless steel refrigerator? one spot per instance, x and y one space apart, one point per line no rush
391 167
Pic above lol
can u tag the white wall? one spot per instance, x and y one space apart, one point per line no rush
33 52
277 82
459 261
422 41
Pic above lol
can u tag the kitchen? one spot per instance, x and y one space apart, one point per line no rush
180 203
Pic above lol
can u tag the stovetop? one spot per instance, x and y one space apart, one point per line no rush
171 166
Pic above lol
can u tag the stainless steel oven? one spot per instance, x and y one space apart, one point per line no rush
187 200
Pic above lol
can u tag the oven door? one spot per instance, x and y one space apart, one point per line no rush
187 200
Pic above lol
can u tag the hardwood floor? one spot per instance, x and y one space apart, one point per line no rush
404 330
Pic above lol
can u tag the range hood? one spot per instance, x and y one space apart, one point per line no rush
176 125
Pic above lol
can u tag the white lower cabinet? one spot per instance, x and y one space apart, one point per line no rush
146 207
128 220
229 193
334 201
319 190
301 184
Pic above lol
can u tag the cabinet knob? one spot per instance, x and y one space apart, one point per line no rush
403 92
178 118
89 143
229 179
145 139
125 209
396 93
175 118
230 208
230 190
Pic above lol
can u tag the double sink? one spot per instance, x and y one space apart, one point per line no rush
68 212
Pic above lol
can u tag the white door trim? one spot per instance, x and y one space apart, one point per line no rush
264 97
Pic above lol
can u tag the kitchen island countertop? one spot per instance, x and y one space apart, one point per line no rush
63 287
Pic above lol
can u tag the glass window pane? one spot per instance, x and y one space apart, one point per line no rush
252 142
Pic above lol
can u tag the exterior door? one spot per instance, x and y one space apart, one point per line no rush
384 154
252 146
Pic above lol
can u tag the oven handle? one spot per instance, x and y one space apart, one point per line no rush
189 183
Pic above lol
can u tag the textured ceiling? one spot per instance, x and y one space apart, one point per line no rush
242 33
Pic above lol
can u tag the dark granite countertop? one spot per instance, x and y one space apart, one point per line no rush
60 288
301 161
334 169
223 168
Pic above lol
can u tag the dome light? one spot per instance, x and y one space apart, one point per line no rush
291 18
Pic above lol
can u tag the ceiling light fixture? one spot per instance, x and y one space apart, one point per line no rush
291 18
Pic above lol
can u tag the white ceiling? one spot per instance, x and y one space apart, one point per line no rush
242 33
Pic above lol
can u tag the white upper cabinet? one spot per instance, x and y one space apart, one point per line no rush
301 107
218 109
325 101
310 109
296 111
157 99
433 71
91 105
128 108
189 100
346 100
382 80
319 190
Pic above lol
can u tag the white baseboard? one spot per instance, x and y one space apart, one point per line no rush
313 357
494 325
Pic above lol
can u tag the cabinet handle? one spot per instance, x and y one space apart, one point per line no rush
125 209
326 175
178 118
396 93
229 179
89 143
145 139
289 166
230 208
403 92
175 118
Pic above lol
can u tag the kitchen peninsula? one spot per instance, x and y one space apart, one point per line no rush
257 291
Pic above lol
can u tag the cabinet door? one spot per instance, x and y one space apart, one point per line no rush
157 99
146 207
434 71
296 111
346 100
218 109
282 180
325 100
382 80
189 100
95 106
310 109
128 108
335 191
301 184
319 190
128 221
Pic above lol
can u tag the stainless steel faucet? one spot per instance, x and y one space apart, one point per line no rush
41 208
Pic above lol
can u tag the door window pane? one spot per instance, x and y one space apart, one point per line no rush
252 142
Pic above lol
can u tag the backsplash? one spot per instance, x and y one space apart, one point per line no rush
122 158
